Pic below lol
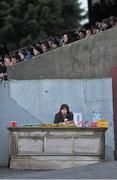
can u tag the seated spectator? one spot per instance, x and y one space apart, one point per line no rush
75 36
14 60
95 30
44 47
112 21
21 54
50 41
54 44
24 55
27 55
66 39
82 34
7 61
99 25
88 32
37 50
105 24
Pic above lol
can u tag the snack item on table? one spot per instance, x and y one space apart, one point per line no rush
47 125
102 123
68 124
64 125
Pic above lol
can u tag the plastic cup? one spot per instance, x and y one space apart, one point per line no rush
13 123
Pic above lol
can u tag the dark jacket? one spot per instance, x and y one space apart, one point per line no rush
59 117
3 69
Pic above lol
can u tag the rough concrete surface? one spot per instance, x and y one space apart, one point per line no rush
90 57
103 170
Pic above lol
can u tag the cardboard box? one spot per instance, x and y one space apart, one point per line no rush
102 123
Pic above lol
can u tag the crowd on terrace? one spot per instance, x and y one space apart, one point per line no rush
8 59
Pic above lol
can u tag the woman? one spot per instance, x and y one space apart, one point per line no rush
64 115
67 38
37 50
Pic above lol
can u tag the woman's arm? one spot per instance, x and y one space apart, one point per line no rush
56 119
71 116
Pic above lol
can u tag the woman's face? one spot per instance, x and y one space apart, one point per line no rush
35 52
6 62
44 48
54 45
13 60
21 55
64 111
104 25
82 35
65 38
88 32
50 43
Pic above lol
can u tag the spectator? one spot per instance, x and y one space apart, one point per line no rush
88 32
7 61
14 60
21 54
44 47
67 38
99 25
82 34
55 44
52 43
37 50
112 21
95 30
105 24
27 55
75 36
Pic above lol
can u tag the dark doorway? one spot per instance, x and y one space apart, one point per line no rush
114 88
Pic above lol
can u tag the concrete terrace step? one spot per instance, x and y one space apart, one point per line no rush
103 170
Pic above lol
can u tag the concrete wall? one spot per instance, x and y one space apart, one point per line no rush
91 57
42 98
35 101
9 111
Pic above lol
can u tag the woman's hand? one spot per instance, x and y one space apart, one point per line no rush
66 120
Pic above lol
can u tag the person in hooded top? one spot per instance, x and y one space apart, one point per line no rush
64 115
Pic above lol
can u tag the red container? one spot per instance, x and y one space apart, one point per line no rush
93 124
13 123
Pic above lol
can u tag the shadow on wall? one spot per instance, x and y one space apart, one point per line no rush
9 111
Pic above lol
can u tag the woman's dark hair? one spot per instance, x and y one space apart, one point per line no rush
38 48
69 37
83 31
64 106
